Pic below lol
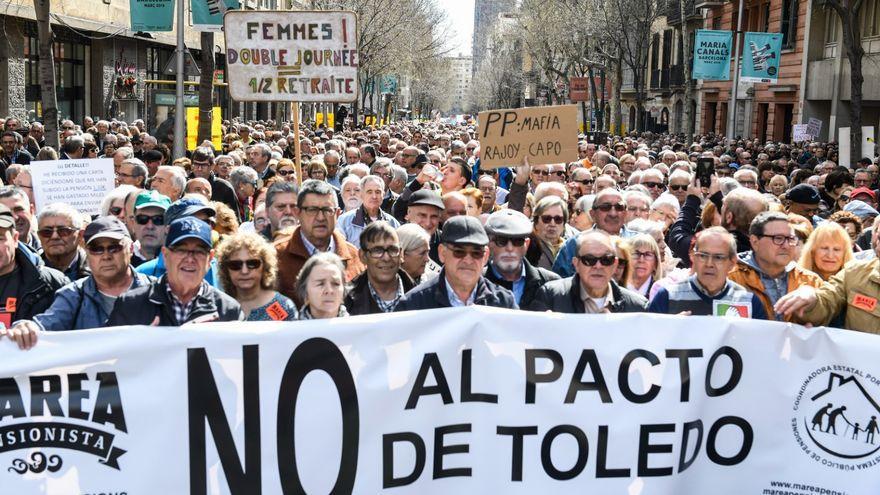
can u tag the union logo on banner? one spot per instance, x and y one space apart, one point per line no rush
736 310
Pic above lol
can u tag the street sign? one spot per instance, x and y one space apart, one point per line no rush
292 55
190 68
579 89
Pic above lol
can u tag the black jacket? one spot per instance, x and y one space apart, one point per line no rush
222 191
432 294
39 283
359 301
564 296
682 231
77 270
142 305
535 279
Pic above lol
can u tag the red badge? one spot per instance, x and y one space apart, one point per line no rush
276 311
864 302
10 304
6 319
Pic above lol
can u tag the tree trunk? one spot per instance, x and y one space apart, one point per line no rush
600 117
688 83
616 84
48 97
206 89
852 43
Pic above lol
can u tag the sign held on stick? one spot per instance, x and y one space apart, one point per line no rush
543 134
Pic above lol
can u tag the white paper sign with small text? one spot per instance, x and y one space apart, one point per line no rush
82 183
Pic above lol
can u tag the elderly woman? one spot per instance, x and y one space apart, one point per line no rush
777 185
244 181
416 245
316 169
665 209
223 165
827 250
549 219
580 214
646 268
286 170
850 222
321 286
114 202
655 230
248 268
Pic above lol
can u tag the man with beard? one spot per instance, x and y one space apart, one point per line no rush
509 233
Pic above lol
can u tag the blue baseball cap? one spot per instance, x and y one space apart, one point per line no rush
188 228
187 207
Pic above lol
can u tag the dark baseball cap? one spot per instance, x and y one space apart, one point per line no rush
804 194
188 228
152 156
6 219
108 227
187 207
464 229
426 197
508 223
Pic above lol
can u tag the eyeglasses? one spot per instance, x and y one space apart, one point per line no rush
557 219
590 260
843 198
100 250
314 210
586 182
780 240
46 232
547 173
285 173
606 207
115 210
705 257
644 209
195 253
653 185
378 251
237 265
200 165
127 176
648 255
678 187
461 253
158 220
484 171
504 241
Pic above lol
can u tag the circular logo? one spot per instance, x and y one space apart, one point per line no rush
836 417
771 71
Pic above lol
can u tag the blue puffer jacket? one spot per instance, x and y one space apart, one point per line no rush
77 305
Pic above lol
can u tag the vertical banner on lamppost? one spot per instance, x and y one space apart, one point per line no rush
207 15
712 55
152 15
761 52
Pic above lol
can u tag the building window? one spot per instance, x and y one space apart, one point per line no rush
869 17
832 27
789 23
157 58
70 78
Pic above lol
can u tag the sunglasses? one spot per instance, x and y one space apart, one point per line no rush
47 232
100 250
606 207
678 187
504 241
653 185
586 182
285 173
590 260
236 265
461 253
115 210
557 219
158 220
545 173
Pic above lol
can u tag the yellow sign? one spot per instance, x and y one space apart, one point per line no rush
319 119
192 128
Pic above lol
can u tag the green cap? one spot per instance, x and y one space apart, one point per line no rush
147 199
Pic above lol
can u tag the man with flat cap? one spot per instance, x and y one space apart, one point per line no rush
461 282
424 209
181 295
803 200
508 232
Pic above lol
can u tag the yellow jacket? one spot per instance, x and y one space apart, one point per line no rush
857 288
747 276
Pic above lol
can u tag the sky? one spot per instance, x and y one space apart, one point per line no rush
461 17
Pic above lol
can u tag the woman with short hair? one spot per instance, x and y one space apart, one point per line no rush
828 248
321 287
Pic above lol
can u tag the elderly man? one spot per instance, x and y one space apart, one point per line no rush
153 159
181 295
509 233
380 288
592 288
747 178
317 208
198 186
581 183
132 172
258 158
352 223
708 291
24 180
17 201
37 133
767 270
27 286
203 168
654 182
148 225
169 181
87 303
853 291
383 168
607 214
280 209
638 205
59 226
120 155
803 200
461 282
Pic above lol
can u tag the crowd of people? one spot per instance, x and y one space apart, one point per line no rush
403 217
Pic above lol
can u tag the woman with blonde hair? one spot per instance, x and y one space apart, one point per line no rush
623 274
828 248
248 268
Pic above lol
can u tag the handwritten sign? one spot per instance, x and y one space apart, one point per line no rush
544 134
800 133
79 183
292 55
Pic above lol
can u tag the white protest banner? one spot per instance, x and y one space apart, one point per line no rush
543 134
292 55
465 400
800 133
81 183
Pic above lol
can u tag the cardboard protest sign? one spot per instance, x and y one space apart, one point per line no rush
292 55
543 134
79 183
